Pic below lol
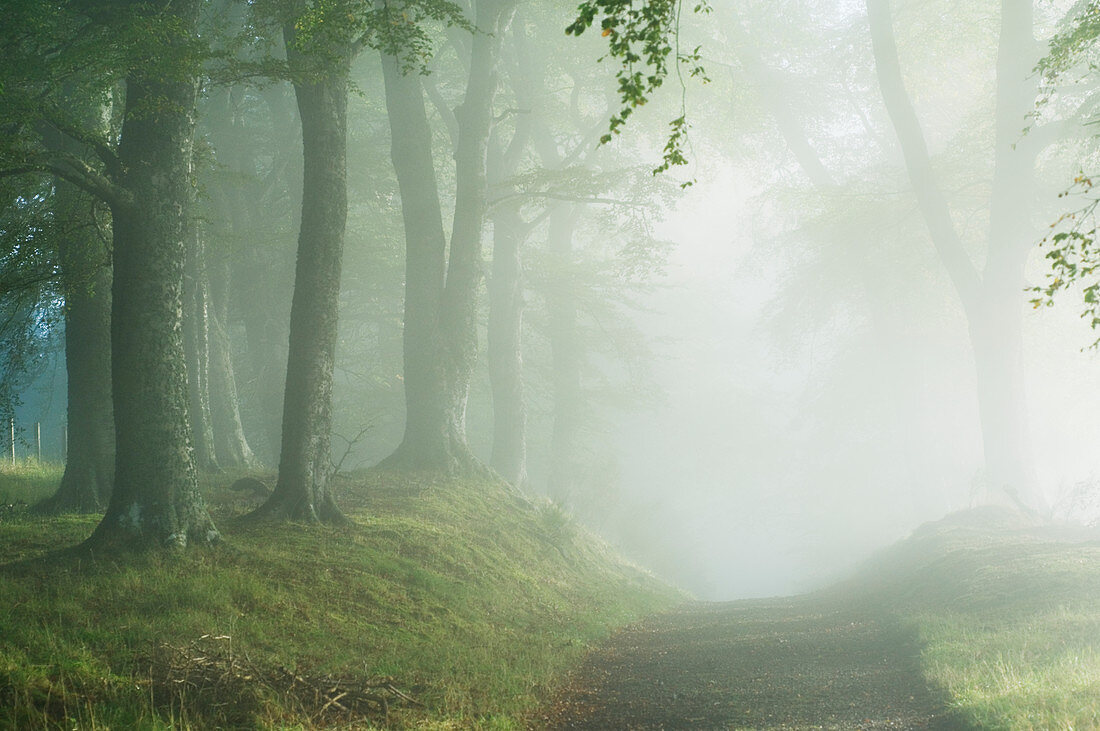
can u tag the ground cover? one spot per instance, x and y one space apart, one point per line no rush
986 619
445 604
1007 612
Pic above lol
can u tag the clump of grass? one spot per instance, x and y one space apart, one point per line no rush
28 480
1008 614
450 590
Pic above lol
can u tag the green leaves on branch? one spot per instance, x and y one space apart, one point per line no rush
642 36
1074 257
330 29
1073 43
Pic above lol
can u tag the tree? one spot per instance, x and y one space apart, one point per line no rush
319 60
990 298
643 38
155 500
84 262
442 282
146 183
1072 254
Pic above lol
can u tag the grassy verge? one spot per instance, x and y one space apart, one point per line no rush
1008 616
28 481
446 605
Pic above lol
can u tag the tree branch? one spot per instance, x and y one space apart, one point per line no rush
546 195
930 198
95 144
74 170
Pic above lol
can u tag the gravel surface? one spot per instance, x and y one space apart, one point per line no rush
792 663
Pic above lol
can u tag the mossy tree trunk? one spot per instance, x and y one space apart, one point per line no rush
303 491
155 501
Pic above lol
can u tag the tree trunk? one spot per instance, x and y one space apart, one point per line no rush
506 285
424 443
155 501
996 329
566 359
505 354
993 301
231 447
196 346
440 443
303 491
229 227
86 280
260 302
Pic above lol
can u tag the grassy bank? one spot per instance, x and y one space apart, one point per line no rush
445 604
1007 613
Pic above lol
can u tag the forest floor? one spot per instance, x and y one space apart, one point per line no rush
792 663
444 604
984 619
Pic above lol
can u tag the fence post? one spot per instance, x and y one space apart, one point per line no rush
12 430
38 440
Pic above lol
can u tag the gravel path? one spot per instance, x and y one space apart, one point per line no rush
794 663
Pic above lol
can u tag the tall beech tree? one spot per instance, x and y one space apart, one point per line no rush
155 500
196 346
991 297
85 266
441 284
146 182
224 216
80 230
319 63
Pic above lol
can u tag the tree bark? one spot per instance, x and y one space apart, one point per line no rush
260 302
86 281
506 285
303 491
231 447
196 346
155 501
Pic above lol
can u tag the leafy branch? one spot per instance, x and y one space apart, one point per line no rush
1073 255
642 37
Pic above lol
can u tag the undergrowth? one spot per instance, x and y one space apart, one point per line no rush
445 604
1007 613
28 481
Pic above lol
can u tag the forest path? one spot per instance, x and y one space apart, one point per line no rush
790 663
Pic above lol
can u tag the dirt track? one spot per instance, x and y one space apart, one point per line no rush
793 663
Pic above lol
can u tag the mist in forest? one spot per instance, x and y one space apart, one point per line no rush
748 372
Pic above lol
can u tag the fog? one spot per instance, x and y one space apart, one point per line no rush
748 372
818 395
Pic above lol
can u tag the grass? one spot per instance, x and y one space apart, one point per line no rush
28 481
462 596
1008 615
